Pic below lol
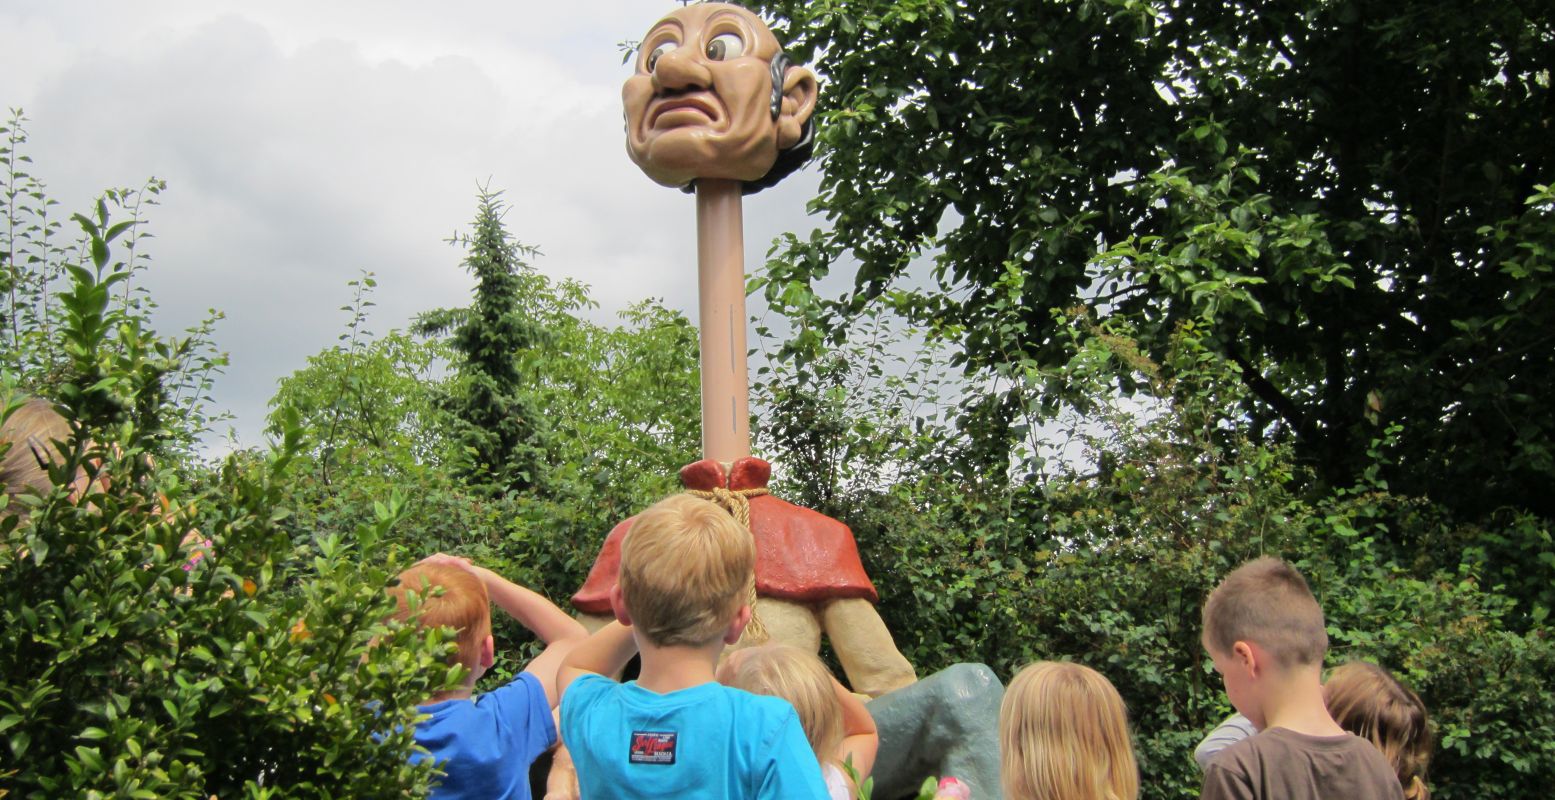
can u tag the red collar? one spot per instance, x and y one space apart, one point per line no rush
707 475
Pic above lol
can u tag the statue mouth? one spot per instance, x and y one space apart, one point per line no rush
682 111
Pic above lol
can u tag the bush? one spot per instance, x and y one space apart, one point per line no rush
130 670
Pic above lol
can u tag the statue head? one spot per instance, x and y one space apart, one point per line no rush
713 96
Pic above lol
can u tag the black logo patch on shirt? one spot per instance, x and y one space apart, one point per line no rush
653 747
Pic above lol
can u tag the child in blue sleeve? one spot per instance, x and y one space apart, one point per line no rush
484 745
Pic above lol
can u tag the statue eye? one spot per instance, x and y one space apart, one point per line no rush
725 46
653 57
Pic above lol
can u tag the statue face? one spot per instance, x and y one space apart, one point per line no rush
700 102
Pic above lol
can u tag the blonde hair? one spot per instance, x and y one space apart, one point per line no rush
686 569
1368 701
1268 603
798 676
462 605
1063 735
31 430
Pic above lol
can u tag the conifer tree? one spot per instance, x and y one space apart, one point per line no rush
499 433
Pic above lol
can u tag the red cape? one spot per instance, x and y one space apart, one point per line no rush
801 555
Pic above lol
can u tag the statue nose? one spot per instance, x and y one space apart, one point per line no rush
680 69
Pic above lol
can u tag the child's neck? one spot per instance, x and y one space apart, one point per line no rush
1295 702
675 667
455 694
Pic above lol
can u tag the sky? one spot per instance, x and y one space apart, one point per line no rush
306 141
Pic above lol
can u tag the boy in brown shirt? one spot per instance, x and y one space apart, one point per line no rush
1265 633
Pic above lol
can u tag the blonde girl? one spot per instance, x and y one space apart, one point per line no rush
835 721
1063 735
1368 701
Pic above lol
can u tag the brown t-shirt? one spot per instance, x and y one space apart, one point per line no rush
1281 764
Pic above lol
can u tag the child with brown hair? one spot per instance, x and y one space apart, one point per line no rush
835 721
1265 633
1368 701
484 745
1063 734
687 570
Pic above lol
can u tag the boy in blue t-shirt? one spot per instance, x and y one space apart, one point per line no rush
484 746
686 574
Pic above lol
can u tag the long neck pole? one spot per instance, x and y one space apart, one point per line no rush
721 283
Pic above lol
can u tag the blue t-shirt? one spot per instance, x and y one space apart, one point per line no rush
709 741
485 747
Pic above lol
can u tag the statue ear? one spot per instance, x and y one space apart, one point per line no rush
798 103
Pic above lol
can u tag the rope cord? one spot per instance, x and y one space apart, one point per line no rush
737 503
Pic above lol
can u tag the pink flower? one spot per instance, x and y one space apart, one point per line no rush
199 550
952 789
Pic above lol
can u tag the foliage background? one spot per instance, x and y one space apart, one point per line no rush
1183 283
1142 290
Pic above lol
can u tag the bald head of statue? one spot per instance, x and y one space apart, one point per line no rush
713 96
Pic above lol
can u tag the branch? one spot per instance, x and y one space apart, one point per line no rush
1271 394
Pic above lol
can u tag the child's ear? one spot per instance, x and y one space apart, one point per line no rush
1249 658
737 625
618 606
488 652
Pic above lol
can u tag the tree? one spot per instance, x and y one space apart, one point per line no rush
629 395
626 394
368 403
1349 194
487 475
1108 559
502 440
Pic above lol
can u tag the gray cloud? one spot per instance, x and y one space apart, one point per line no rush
305 141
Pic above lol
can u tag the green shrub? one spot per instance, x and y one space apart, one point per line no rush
265 670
